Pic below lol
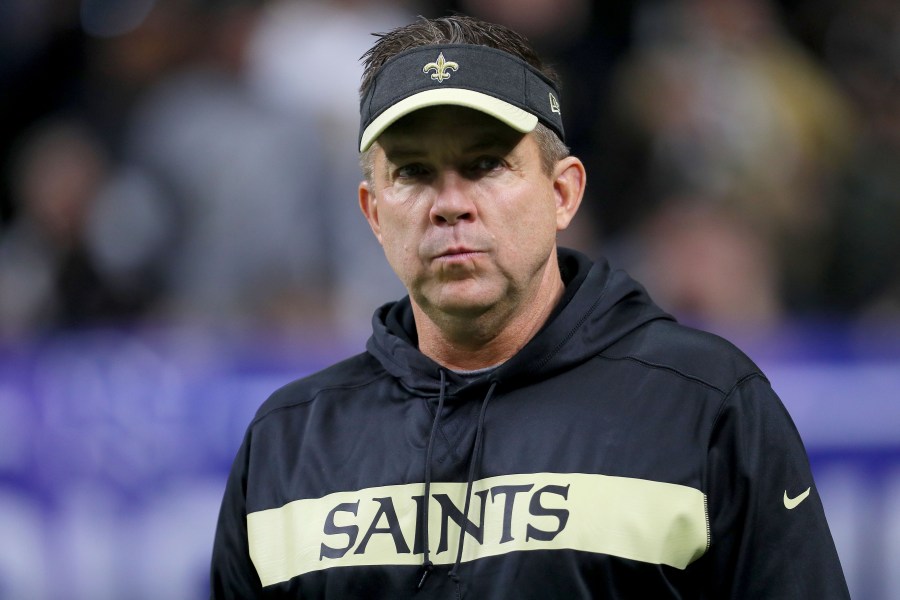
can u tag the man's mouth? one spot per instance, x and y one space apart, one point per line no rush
458 253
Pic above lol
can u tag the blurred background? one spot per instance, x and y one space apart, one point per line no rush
179 236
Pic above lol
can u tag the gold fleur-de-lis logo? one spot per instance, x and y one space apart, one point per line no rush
440 67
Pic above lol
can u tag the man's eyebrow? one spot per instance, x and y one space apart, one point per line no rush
401 154
487 143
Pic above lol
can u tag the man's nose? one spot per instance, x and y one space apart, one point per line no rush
452 201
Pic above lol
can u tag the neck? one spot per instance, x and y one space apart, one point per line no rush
467 343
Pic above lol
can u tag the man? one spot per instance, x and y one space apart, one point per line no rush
525 423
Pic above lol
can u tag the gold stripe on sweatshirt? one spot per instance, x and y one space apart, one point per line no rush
637 519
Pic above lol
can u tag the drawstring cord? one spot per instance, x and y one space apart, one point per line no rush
473 465
427 565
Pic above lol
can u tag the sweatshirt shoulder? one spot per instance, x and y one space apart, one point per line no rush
691 353
354 372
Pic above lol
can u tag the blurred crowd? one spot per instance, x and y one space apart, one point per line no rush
170 161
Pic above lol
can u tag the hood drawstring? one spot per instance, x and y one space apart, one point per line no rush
473 465
427 565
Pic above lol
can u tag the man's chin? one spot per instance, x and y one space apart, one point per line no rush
464 299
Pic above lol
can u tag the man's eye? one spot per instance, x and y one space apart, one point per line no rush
487 163
411 171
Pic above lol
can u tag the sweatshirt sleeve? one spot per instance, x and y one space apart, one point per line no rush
768 533
233 574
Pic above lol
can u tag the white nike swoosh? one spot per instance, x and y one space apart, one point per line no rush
792 503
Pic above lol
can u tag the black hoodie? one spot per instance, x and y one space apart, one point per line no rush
617 455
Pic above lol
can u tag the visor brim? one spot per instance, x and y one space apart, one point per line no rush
513 116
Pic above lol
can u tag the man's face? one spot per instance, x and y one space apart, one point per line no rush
465 213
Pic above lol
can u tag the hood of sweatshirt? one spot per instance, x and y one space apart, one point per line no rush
599 307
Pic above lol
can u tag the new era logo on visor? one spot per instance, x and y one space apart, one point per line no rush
440 67
554 104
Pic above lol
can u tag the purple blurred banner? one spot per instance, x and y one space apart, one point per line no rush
114 448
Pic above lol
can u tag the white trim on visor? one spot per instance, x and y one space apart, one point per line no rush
515 117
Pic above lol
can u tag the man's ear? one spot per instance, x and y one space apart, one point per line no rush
368 203
569 180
